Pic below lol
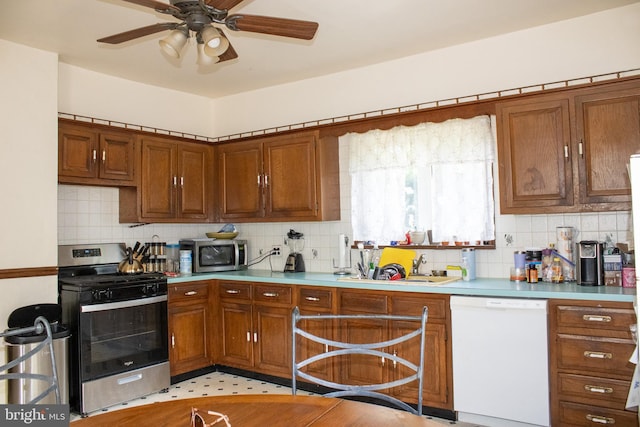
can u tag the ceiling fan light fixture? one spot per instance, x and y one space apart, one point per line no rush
215 44
204 59
173 44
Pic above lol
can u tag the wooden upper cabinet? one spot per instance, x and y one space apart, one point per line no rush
279 178
608 133
95 156
176 183
568 151
534 163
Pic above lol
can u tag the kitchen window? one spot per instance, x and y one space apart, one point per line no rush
432 176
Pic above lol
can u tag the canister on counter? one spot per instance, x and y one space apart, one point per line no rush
469 261
519 258
534 256
185 263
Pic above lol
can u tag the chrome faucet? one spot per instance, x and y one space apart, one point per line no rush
416 264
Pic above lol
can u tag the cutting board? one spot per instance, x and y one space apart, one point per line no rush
404 257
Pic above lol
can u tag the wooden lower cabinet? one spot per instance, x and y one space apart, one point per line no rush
189 326
590 373
255 327
254 333
438 376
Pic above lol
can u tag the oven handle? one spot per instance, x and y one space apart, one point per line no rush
122 304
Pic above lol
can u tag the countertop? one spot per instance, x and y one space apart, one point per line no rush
488 287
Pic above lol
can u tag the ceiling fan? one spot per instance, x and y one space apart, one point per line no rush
198 17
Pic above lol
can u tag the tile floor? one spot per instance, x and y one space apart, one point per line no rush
221 383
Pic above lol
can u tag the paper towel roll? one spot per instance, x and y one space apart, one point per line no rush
342 254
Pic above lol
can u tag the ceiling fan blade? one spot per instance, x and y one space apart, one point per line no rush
274 26
223 4
228 54
158 5
138 32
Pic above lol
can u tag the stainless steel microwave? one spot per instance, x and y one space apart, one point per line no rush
211 255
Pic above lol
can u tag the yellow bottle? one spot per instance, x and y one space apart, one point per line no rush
556 271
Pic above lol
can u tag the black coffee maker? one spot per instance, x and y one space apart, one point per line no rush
295 262
590 263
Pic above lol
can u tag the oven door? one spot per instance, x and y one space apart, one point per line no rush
120 336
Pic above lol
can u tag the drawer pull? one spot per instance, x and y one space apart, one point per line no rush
190 293
598 389
248 336
312 299
270 294
232 291
600 419
596 318
597 355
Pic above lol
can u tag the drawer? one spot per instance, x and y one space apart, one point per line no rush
182 292
280 294
588 354
363 302
412 306
315 298
234 291
593 390
598 318
574 414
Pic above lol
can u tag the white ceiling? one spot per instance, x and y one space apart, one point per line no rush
351 34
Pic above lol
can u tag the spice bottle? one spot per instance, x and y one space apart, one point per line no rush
556 271
532 274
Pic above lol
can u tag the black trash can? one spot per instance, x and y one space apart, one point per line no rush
22 391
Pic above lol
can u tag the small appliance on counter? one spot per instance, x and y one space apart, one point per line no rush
212 255
590 263
295 262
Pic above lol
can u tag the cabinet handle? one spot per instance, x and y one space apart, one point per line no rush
95 155
600 419
596 318
104 156
182 181
255 337
597 355
598 389
190 293
580 149
270 294
173 341
266 180
394 362
259 181
312 299
248 336
175 181
382 359
326 348
566 151
232 291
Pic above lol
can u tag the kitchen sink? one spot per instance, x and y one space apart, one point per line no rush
411 280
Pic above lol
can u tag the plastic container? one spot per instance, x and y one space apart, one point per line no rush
556 271
173 257
469 263
186 264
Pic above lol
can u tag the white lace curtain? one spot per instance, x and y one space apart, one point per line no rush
452 161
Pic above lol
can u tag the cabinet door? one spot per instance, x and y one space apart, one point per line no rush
116 156
362 369
159 179
290 177
434 392
608 132
240 181
77 152
534 155
236 338
188 330
315 300
194 181
272 340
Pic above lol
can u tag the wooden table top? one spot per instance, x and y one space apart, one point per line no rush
260 410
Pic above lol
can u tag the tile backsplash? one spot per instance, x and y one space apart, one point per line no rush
90 215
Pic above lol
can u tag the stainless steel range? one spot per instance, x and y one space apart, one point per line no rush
119 344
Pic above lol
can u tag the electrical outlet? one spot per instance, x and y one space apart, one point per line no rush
276 251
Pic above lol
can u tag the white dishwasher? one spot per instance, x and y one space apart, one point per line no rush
500 361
